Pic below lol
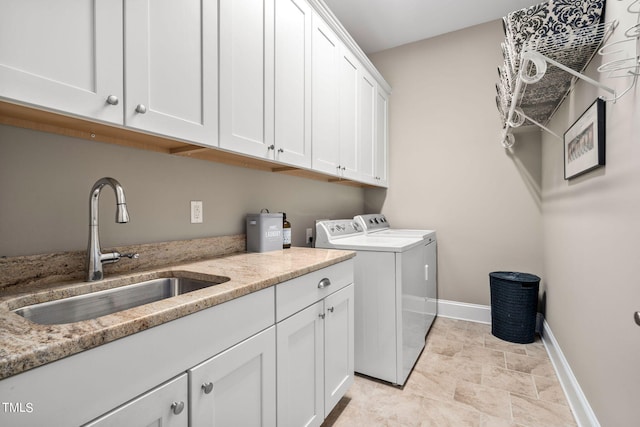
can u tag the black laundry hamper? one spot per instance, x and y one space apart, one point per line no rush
514 303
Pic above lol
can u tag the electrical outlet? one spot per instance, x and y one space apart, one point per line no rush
196 211
309 236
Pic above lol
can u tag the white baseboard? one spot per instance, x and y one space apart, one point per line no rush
585 417
464 311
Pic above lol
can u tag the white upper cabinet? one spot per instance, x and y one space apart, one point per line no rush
373 132
293 82
69 56
247 76
325 130
277 80
171 68
64 55
348 69
368 94
382 138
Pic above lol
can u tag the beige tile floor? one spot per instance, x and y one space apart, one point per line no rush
464 377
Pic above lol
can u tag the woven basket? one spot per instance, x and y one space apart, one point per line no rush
514 303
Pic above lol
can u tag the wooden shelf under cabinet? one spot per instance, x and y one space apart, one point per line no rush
46 121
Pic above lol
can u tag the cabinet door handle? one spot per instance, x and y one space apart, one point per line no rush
140 108
207 387
112 100
324 283
636 316
177 407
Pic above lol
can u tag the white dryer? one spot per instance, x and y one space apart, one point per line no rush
423 305
389 271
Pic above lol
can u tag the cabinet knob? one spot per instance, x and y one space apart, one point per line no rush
331 309
321 315
280 150
207 387
140 108
177 407
112 100
636 317
324 283
271 147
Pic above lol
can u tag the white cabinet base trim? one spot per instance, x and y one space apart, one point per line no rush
464 311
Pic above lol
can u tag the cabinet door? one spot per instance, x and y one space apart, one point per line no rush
338 346
293 82
164 406
171 68
382 137
325 131
300 368
246 76
64 55
348 68
236 387
366 130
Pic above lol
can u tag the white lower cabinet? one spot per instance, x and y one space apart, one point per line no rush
163 406
282 356
301 368
338 346
315 347
236 387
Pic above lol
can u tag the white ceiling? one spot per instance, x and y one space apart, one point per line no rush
382 24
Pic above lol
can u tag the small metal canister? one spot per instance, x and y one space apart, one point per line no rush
264 232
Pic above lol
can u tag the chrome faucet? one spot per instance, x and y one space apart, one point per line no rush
95 257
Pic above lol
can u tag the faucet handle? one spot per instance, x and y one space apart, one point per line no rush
111 257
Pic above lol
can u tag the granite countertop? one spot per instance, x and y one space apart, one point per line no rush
25 345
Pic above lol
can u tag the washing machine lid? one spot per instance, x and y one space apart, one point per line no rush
370 242
348 234
405 232
379 225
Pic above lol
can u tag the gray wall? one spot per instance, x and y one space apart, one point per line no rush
448 170
45 181
592 232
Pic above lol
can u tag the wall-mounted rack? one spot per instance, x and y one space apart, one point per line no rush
539 72
621 63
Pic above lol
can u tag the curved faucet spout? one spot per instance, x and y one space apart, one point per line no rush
95 257
122 215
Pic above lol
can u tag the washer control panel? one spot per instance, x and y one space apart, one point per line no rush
343 227
328 231
372 222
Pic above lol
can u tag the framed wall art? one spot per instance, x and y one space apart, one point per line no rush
584 142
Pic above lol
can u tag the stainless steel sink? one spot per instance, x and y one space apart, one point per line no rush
96 304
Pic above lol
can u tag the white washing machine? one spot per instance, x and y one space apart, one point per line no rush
390 273
424 306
